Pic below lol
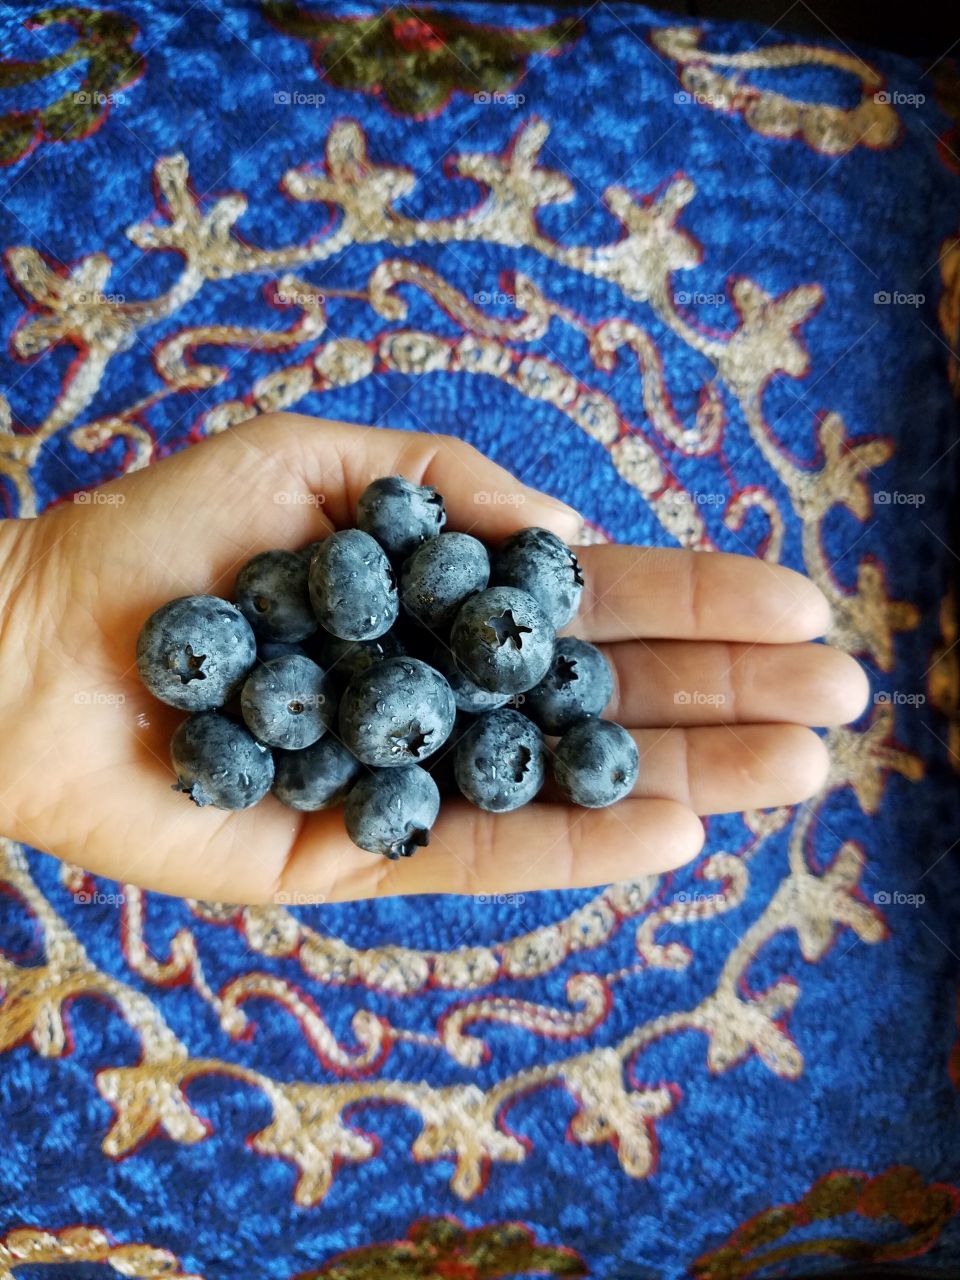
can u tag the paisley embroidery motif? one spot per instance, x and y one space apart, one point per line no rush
920 1212
417 58
33 1246
105 43
833 130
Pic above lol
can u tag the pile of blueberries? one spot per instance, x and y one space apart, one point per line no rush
345 668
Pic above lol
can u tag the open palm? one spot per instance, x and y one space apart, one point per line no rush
712 674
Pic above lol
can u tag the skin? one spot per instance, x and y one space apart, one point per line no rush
84 763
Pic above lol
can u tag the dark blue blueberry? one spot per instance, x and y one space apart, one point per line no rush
537 561
310 550
287 702
467 695
503 640
195 652
400 514
500 761
596 763
318 777
391 811
353 586
344 659
578 684
440 575
273 596
217 761
397 713
267 649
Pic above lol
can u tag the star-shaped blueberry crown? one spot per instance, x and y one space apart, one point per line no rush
186 664
520 762
566 670
507 630
577 570
408 845
409 741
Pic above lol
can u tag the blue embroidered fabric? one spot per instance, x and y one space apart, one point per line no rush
748 248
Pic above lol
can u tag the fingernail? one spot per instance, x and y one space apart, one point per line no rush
561 506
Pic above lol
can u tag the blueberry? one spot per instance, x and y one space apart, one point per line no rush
500 761
268 649
318 777
467 695
535 560
503 640
272 595
344 659
310 550
217 761
353 586
195 652
287 702
578 684
440 575
596 763
400 514
397 713
391 811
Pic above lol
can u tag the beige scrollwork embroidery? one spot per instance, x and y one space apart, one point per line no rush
873 122
34 1246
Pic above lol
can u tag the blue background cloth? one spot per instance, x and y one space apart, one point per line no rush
792 1046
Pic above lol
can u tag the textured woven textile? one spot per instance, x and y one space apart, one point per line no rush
704 285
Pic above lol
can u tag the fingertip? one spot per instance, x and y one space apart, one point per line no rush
668 835
557 516
691 835
847 687
813 607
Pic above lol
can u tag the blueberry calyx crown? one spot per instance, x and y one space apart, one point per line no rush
409 741
566 670
407 846
185 664
507 629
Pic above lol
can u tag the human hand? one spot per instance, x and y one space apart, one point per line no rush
713 678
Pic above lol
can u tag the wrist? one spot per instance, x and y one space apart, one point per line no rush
17 557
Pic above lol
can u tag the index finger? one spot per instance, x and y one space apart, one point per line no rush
339 460
669 593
